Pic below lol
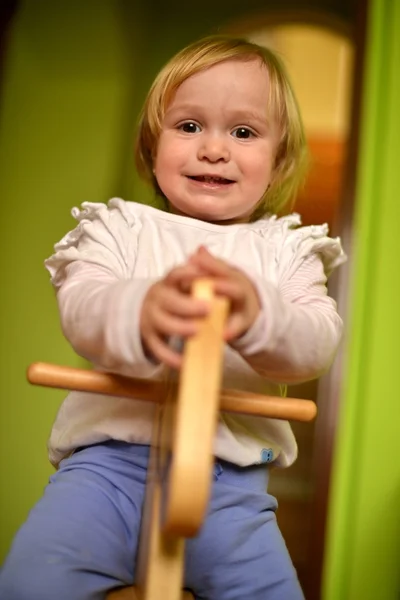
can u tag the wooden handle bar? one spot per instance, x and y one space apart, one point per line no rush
235 401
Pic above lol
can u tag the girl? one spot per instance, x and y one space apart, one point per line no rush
221 140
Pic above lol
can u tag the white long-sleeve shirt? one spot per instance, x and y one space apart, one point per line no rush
102 270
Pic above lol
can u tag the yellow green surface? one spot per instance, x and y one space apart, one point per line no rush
363 560
67 121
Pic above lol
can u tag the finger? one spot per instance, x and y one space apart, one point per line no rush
163 353
235 327
232 289
203 250
183 271
210 264
182 277
179 304
167 324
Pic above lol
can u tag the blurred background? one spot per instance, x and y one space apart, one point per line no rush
73 77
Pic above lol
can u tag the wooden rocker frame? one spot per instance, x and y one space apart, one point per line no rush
179 476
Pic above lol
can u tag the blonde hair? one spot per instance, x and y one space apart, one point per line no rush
291 155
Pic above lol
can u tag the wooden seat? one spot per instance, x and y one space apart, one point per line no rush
179 476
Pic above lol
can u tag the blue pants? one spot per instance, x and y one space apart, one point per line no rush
80 540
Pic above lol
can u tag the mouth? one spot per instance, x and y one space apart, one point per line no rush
211 179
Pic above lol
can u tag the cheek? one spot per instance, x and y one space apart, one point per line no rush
170 156
168 166
259 170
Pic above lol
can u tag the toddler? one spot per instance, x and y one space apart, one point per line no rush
221 140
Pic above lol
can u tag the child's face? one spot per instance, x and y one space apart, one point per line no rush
216 149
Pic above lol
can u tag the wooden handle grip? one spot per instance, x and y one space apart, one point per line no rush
85 380
235 401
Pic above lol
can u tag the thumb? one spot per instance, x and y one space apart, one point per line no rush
234 327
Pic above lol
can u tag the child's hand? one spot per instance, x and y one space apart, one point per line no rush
234 285
169 310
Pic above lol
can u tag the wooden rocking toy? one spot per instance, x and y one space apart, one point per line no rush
179 476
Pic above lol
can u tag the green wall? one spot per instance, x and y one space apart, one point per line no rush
363 559
68 107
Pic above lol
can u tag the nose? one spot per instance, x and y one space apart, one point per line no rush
213 148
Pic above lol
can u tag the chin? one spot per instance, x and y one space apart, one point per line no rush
212 217
223 220
210 211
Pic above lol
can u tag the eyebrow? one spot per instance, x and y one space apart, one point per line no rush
237 114
249 115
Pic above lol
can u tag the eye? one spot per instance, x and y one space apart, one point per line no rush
243 133
189 127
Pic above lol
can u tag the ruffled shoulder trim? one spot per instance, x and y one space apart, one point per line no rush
99 238
295 243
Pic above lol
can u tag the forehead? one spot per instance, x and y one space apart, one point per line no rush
232 82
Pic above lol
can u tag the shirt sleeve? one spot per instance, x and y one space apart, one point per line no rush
99 301
298 330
